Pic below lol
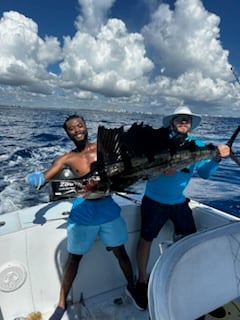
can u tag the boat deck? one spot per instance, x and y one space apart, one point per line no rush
114 305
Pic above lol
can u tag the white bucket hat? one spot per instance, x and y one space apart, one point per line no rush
196 119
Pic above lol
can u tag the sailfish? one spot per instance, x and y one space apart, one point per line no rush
143 153
140 153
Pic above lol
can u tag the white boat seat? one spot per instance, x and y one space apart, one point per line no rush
196 275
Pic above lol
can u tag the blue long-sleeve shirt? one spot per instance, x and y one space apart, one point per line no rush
170 189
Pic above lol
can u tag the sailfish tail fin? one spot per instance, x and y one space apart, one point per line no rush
230 143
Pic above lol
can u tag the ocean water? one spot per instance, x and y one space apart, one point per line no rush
31 139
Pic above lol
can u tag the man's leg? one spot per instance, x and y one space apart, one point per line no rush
143 253
69 274
181 215
113 235
125 264
154 215
126 267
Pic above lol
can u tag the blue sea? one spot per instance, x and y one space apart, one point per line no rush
32 138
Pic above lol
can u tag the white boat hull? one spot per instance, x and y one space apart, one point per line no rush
33 253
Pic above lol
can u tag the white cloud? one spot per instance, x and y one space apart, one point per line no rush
177 58
112 63
187 39
24 56
84 95
93 15
185 43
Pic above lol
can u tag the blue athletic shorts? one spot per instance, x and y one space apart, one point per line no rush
155 215
81 238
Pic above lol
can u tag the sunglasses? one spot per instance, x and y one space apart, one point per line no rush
182 119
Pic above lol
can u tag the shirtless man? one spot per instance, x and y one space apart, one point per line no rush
104 220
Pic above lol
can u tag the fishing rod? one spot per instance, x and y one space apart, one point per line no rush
75 183
79 184
235 75
230 143
123 195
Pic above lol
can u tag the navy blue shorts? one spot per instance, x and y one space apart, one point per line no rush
155 215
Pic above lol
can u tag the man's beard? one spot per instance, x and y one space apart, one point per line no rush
80 145
178 138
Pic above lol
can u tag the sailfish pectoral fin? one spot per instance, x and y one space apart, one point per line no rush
230 143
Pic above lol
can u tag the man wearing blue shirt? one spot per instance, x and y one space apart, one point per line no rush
164 198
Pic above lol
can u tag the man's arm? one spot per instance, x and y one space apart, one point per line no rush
38 179
207 168
56 167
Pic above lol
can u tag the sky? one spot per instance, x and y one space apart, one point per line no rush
135 55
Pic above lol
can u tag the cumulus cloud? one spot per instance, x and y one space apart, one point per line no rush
176 58
112 63
185 43
93 15
24 56
187 39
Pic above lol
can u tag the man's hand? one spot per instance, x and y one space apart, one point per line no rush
222 151
92 189
35 179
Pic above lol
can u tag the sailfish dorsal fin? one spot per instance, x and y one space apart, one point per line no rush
109 144
145 141
140 140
